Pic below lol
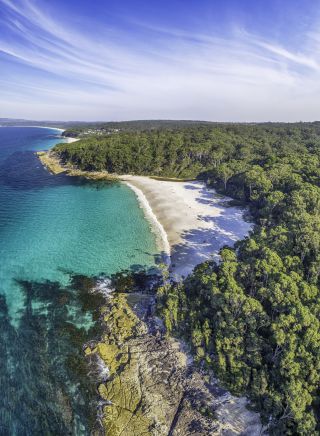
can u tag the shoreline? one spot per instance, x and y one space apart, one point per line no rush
195 221
156 226
191 221
54 166
69 139
146 379
134 339
40 127
140 359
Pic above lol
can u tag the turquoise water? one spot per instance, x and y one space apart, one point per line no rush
52 229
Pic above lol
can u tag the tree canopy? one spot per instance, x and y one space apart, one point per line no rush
254 316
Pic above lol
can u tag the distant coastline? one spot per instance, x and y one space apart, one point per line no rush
38 127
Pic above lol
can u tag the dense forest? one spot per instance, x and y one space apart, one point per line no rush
189 151
255 316
81 130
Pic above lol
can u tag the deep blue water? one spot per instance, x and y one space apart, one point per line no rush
53 230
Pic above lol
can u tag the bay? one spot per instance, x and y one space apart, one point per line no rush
55 232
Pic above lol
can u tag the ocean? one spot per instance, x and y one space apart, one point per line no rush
56 233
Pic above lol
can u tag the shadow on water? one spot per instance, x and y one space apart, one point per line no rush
22 170
43 374
48 387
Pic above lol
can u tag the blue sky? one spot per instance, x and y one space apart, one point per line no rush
221 60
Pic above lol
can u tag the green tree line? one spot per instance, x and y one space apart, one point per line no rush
190 151
254 316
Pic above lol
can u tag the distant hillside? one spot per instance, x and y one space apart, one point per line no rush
87 128
105 128
136 124
7 122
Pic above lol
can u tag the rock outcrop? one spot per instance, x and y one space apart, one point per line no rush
152 386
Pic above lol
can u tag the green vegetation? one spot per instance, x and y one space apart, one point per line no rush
100 128
255 316
192 150
166 153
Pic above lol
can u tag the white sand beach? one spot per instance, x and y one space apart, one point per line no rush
69 140
195 222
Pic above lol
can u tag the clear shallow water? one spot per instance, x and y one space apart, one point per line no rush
52 229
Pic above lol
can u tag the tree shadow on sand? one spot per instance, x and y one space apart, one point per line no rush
199 245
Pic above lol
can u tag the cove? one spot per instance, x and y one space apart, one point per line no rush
55 232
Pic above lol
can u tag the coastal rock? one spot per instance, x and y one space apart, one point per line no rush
54 165
153 388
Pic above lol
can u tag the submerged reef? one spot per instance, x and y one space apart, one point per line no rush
43 373
87 360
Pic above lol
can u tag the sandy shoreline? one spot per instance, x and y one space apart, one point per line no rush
191 222
196 221
161 235
68 140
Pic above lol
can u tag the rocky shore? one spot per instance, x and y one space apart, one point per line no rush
54 166
151 386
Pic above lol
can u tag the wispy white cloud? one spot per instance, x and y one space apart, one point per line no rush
66 72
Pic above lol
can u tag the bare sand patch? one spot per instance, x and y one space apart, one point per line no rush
196 220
